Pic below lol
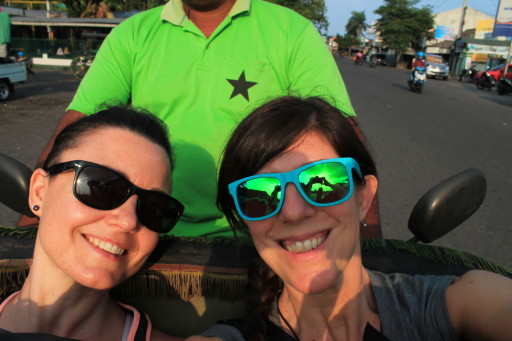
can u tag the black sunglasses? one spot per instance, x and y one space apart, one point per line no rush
103 188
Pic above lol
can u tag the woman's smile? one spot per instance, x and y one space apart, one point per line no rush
304 244
106 246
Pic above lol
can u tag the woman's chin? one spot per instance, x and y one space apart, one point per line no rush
313 284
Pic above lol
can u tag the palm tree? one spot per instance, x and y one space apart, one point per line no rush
356 24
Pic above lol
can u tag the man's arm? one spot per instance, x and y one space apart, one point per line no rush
69 117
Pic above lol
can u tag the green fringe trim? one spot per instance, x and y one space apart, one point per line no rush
437 254
208 241
30 231
27 232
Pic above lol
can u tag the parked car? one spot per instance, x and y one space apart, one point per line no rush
11 72
436 66
497 72
487 79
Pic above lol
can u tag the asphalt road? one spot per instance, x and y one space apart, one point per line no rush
417 139
29 117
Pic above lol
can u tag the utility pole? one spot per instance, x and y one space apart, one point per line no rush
453 58
462 18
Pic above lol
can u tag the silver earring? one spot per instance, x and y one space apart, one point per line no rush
35 207
363 223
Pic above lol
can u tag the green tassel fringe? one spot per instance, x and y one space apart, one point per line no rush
437 254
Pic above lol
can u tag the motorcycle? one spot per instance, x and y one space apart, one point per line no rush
468 75
504 86
417 79
485 81
358 60
81 64
205 281
371 61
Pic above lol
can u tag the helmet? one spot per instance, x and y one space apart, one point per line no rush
420 55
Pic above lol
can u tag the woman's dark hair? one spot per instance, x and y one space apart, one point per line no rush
275 126
135 120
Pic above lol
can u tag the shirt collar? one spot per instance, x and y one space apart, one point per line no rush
173 11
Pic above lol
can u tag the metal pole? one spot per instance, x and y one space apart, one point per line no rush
48 28
462 18
453 56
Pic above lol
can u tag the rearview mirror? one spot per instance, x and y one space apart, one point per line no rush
447 205
14 184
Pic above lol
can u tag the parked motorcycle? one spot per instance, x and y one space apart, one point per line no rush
219 270
504 86
468 75
81 64
417 79
485 81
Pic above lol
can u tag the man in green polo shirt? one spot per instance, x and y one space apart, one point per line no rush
202 66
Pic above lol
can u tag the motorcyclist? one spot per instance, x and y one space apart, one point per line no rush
359 57
419 61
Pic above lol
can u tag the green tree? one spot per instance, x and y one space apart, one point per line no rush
356 25
313 10
81 8
401 25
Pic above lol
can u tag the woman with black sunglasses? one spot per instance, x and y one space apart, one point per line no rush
298 179
102 200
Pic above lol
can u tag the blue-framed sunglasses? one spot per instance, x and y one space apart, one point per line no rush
322 183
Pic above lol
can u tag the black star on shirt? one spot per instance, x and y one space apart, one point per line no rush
241 86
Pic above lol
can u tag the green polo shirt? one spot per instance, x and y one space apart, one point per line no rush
203 87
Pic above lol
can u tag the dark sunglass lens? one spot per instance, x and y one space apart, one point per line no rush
100 188
259 197
325 183
157 211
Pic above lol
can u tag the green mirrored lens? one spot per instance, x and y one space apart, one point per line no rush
325 183
259 197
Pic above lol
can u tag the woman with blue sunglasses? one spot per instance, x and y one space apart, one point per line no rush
102 200
297 178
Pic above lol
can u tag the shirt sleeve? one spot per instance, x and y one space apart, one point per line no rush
313 71
108 80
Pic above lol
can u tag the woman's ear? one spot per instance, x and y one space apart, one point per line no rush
38 185
366 194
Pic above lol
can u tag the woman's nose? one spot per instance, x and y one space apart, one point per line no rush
125 216
295 208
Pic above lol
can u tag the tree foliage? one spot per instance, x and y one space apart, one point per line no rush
313 10
401 25
347 41
356 24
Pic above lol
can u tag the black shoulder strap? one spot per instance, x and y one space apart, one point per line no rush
142 328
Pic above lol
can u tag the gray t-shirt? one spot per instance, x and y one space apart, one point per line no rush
411 308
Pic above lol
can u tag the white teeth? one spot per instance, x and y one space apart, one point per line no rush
114 249
305 245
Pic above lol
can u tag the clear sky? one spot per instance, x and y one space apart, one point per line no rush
338 11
